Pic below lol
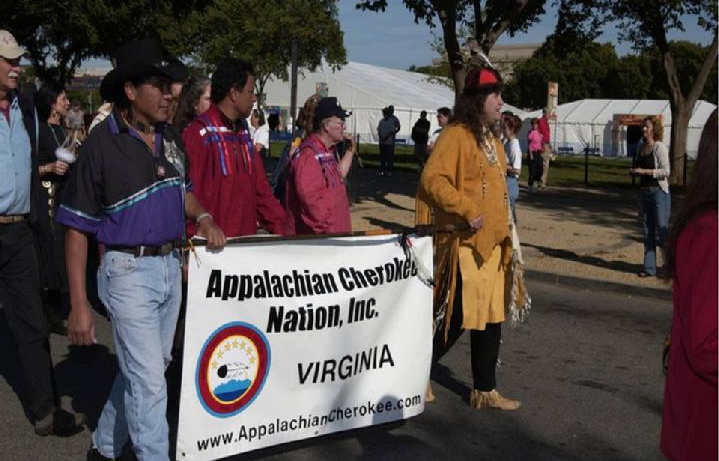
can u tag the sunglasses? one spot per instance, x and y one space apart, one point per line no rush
13 62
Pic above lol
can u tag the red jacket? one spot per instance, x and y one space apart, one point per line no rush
689 420
316 196
543 126
228 179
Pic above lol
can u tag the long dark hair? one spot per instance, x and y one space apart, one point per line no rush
468 112
44 98
702 190
192 91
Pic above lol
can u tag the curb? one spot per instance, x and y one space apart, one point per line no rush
602 285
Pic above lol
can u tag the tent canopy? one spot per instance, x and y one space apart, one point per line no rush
609 127
365 90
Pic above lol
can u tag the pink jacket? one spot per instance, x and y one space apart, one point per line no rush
689 420
534 139
315 195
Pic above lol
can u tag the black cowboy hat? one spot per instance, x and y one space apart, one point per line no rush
138 59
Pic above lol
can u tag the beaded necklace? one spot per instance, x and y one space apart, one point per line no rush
489 147
54 135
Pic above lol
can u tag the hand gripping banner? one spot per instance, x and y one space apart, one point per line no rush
291 339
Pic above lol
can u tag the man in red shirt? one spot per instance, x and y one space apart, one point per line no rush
547 148
316 196
227 177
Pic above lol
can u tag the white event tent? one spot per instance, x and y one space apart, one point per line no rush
610 127
365 90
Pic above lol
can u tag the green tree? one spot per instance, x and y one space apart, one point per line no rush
487 20
688 60
262 33
591 70
633 78
645 24
59 35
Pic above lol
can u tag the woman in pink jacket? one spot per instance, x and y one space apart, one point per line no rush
535 142
689 420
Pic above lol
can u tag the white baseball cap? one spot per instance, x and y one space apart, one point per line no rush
9 47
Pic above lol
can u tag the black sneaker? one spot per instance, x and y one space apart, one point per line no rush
94 455
60 423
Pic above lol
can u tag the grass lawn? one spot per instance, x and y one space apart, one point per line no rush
565 171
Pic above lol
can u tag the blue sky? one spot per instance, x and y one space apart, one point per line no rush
392 39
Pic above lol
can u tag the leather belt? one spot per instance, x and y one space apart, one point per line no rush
144 250
10 219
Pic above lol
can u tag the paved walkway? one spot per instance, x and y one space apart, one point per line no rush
591 238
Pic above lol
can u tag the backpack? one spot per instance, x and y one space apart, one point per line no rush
279 175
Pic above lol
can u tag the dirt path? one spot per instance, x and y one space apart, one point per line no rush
588 233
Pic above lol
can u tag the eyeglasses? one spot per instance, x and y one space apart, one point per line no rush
162 84
13 62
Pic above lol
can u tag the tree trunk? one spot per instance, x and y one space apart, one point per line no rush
448 21
682 106
678 144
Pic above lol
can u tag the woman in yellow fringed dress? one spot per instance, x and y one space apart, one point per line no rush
464 182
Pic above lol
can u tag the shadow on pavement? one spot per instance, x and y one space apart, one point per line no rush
86 374
444 376
621 266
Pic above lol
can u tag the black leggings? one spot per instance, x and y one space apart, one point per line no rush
484 345
535 168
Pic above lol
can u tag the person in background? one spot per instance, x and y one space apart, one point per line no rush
175 91
316 196
55 158
534 142
303 129
653 171
543 125
194 100
75 119
261 134
420 136
102 113
512 149
443 116
464 183
689 415
387 130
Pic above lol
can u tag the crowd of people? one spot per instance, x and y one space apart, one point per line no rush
170 158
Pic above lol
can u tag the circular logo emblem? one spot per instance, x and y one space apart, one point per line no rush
232 368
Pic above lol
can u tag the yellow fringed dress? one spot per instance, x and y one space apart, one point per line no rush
459 183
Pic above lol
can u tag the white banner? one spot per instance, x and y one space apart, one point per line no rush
295 339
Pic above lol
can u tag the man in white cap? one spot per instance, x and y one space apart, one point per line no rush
19 272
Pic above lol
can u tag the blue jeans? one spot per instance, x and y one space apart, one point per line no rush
656 207
142 296
513 191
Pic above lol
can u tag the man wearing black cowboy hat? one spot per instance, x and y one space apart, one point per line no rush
130 192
